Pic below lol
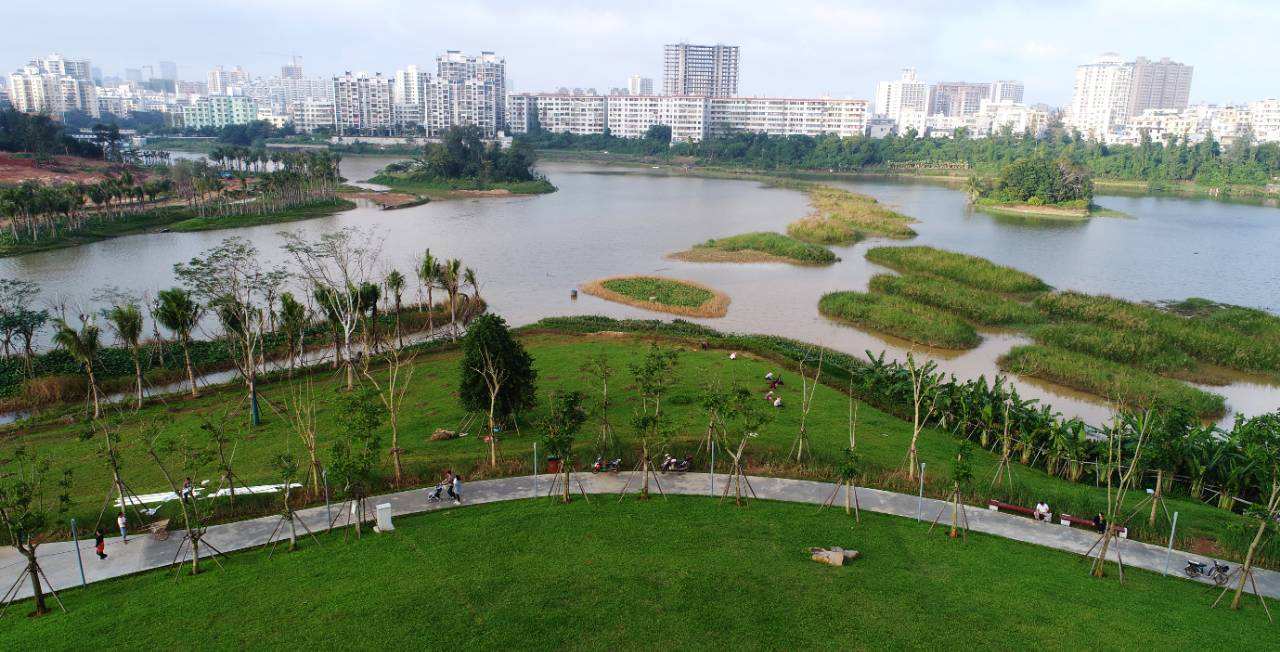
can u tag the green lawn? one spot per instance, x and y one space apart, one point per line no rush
432 403
664 291
679 573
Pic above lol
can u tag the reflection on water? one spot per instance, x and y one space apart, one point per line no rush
531 251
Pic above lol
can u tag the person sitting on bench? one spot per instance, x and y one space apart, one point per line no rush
1042 511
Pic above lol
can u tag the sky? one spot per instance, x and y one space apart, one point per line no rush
797 48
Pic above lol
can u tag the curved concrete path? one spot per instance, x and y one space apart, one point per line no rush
144 553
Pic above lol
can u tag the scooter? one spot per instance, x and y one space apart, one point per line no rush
608 466
675 464
1218 573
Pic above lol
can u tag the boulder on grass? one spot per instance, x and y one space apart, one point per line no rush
833 556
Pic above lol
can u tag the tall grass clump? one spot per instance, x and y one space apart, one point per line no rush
1224 342
1133 388
979 306
841 217
663 294
773 244
1132 347
961 268
900 317
823 230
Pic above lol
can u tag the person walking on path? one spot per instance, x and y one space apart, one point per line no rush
124 527
455 488
100 543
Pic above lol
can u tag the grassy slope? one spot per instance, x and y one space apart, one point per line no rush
678 573
773 244
318 209
900 317
431 403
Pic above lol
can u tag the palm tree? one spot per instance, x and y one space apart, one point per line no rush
82 345
178 312
429 275
395 285
469 277
451 280
126 321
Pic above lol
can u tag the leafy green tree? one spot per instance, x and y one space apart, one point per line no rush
126 321
496 375
177 311
354 454
32 506
560 428
83 346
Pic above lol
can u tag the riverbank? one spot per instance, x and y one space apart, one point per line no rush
170 218
1032 210
674 296
688 165
462 188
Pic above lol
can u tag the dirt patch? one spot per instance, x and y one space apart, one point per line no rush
495 192
716 306
60 169
1204 546
389 199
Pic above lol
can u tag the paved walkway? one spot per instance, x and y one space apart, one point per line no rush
144 553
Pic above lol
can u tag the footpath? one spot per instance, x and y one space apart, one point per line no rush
142 552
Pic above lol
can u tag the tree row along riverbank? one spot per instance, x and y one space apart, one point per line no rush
1135 354
1055 461
1244 169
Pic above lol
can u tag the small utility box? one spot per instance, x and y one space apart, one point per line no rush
384 518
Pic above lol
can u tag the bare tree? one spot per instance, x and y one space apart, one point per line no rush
923 403
30 513
337 264
302 418
494 376
392 392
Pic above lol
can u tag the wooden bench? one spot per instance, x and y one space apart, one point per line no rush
995 506
1069 520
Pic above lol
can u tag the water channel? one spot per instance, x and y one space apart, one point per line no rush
529 252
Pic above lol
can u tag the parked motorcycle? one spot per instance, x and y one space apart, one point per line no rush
608 466
675 464
1218 573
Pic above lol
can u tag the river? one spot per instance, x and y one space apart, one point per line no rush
529 252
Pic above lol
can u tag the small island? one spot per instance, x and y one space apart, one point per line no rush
1036 187
844 218
669 295
894 315
759 247
463 165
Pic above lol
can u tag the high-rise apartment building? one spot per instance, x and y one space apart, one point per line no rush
56 64
409 91
957 98
226 82
904 98
169 70
705 70
477 84
218 111
361 104
637 85
1007 90
292 70
1110 91
54 85
1162 84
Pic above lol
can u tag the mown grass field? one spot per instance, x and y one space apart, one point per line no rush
1129 386
759 247
978 306
679 573
900 317
431 403
961 268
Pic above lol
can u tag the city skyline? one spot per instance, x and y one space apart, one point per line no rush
846 50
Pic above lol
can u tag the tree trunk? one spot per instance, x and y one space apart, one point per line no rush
1155 498
1248 563
191 374
33 570
93 388
137 375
